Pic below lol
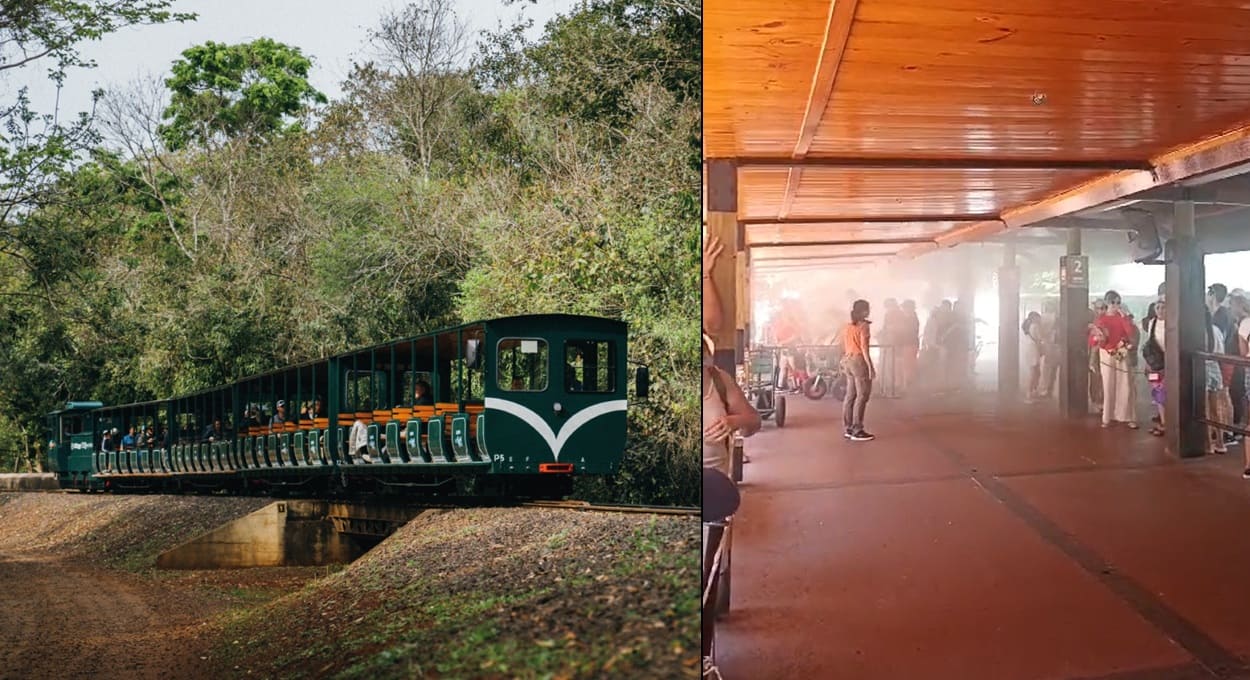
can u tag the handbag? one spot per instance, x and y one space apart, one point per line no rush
1151 351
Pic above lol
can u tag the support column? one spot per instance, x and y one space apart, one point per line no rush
1184 277
722 223
1074 317
742 322
1008 326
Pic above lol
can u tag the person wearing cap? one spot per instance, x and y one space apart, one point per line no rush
279 417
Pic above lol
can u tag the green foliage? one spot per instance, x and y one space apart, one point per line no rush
560 176
235 90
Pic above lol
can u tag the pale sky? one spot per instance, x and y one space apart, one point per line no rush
332 32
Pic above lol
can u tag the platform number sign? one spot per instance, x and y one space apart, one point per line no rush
1074 271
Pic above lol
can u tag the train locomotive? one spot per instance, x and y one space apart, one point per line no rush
512 407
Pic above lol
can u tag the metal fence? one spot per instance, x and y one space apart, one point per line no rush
1199 405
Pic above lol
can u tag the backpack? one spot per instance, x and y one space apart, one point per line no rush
718 381
1151 351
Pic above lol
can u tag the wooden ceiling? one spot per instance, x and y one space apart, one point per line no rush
933 122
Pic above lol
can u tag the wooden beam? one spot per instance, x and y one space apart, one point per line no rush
1218 154
841 242
833 45
722 223
938 163
1203 157
872 219
971 232
837 32
917 250
1097 191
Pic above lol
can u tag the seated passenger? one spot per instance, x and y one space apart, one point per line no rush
279 417
129 441
358 441
107 445
571 383
214 432
317 410
422 394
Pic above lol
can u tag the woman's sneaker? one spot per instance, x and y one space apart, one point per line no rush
862 436
1245 474
846 433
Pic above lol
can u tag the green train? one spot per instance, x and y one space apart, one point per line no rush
512 407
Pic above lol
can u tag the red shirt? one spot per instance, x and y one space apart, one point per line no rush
1117 328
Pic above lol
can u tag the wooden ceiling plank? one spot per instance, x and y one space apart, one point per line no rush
837 34
840 242
870 219
932 163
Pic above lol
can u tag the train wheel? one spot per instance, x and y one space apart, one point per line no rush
780 414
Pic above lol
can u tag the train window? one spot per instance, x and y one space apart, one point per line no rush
364 391
522 364
589 366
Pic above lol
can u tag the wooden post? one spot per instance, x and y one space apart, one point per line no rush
1008 326
722 223
1184 277
1073 323
742 323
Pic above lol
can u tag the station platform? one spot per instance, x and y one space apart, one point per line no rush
975 540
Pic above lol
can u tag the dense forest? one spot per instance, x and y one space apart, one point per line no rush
225 218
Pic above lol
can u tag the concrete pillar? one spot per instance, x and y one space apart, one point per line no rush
1008 325
1074 317
1184 276
722 222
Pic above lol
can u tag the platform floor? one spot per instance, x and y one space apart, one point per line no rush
997 545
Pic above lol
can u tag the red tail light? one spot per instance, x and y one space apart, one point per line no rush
555 467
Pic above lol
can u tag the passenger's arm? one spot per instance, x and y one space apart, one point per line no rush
867 351
713 314
742 416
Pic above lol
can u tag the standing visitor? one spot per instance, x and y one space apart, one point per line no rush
1153 353
1218 409
909 343
1113 333
1033 353
857 363
1221 316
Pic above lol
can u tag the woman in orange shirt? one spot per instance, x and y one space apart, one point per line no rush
860 372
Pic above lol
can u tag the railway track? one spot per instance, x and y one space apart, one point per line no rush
590 507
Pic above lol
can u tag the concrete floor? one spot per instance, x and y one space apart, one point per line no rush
965 544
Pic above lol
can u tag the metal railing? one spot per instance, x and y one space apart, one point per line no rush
715 551
1200 360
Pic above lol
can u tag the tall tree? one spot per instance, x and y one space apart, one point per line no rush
36 148
421 74
228 91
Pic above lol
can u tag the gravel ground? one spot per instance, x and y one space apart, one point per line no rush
493 593
82 600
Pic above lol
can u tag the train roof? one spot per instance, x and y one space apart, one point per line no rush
599 321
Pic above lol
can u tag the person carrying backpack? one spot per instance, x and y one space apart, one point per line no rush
725 410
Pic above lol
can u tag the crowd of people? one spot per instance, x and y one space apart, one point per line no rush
1123 349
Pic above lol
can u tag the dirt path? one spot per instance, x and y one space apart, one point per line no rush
62 619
